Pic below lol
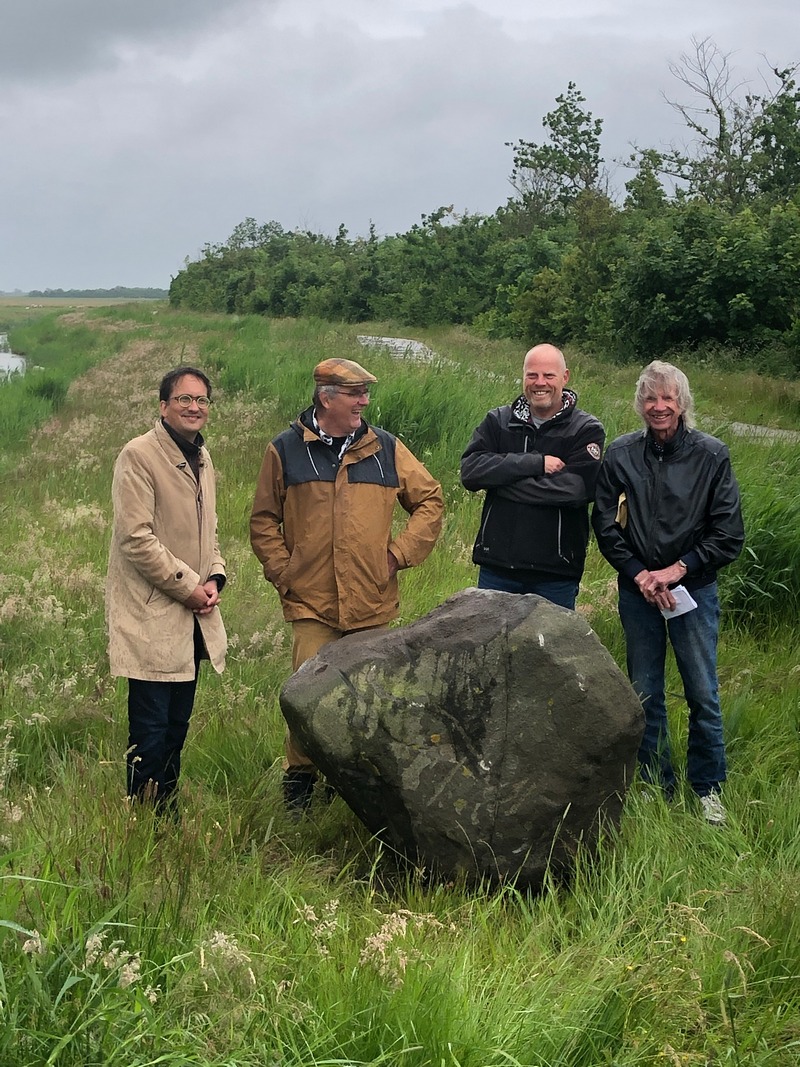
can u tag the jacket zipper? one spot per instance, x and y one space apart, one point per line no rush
654 517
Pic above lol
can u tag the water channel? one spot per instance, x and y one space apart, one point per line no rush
9 363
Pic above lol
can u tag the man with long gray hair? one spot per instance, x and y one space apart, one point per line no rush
667 517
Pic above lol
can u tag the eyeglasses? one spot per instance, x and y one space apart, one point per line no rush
185 400
354 393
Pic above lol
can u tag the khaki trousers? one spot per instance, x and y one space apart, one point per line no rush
308 637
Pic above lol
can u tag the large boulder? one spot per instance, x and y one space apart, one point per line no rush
485 740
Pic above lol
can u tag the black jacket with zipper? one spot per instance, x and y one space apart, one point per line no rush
534 522
681 502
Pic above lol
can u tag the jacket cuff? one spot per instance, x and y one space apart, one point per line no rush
632 568
402 562
692 561
184 582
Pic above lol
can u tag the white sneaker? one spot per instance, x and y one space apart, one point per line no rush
713 809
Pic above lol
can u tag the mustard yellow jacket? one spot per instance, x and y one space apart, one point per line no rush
321 527
164 544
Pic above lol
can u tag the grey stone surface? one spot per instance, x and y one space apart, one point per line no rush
484 740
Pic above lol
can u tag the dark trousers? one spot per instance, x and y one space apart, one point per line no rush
158 721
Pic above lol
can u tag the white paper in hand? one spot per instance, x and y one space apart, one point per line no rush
684 601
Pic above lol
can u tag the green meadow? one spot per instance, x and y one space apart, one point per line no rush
242 939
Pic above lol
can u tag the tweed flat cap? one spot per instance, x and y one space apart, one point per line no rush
342 372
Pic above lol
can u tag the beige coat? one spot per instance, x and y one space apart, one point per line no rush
164 545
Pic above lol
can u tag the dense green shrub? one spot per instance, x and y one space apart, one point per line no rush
699 274
626 279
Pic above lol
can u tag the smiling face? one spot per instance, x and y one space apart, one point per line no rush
339 412
662 412
188 422
544 375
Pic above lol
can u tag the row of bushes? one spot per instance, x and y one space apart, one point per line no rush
620 280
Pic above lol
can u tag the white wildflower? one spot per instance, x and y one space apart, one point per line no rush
93 949
129 971
11 812
226 947
37 718
69 684
34 946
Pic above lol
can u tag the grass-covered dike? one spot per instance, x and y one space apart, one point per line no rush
241 939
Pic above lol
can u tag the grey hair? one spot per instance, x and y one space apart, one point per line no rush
664 377
323 390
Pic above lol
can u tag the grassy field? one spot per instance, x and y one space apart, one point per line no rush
241 939
16 310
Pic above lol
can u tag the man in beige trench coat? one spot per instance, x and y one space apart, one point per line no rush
165 576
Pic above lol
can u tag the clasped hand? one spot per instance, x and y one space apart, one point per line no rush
654 585
204 598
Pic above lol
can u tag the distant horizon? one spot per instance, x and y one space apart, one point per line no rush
84 290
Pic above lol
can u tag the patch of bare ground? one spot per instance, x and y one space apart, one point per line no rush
137 369
112 402
73 318
78 318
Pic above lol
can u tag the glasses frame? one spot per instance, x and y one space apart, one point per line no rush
185 400
354 395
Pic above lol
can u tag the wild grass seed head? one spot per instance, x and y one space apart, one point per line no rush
384 950
35 944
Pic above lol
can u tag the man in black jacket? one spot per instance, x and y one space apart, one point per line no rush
538 460
667 514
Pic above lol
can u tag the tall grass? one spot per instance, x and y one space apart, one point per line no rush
240 938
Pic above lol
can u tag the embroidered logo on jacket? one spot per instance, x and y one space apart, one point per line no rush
593 450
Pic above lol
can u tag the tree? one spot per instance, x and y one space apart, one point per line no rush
737 142
552 175
248 234
568 303
645 193
777 140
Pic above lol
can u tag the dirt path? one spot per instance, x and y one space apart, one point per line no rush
765 433
404 348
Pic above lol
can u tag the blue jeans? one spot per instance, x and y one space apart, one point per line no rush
693 637
564 592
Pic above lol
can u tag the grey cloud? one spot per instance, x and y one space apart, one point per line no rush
53 40
114 178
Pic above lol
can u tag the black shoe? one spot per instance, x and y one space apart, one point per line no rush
297 789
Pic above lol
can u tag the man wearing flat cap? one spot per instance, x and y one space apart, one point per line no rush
321 527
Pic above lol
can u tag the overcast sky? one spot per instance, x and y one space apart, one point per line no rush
133 132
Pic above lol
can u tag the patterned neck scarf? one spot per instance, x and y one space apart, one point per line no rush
522 409
326 437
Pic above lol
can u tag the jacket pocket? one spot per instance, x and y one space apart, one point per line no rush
158 603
